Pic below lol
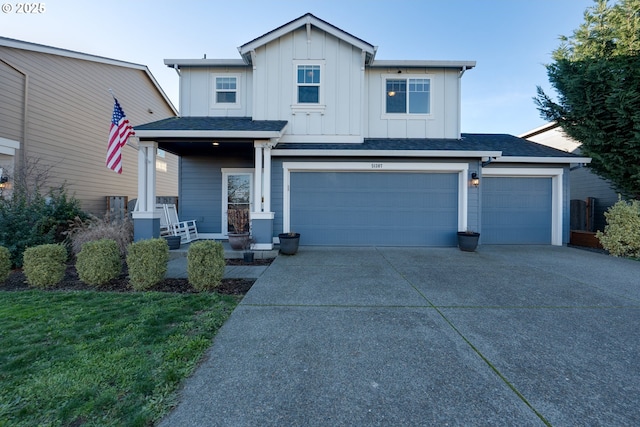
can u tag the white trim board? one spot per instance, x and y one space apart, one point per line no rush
556 175
462 169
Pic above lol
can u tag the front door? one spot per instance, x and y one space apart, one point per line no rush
237 192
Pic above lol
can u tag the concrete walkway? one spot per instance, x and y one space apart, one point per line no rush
509 335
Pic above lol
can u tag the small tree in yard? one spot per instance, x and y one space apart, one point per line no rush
596 73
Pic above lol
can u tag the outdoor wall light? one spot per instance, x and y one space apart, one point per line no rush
215 143
475 180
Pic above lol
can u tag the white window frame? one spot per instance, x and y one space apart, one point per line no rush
214 91
406 77
306 106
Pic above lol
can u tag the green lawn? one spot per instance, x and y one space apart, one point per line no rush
100 358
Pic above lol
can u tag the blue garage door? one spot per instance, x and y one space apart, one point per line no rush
516 210
374 208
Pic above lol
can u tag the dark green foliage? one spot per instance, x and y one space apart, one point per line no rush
147 262
596 73
98 262
44 265
35 220
205 264
5 263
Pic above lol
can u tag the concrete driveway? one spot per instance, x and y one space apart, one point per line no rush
509 335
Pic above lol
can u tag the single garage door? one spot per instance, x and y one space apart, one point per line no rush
516 210
374 208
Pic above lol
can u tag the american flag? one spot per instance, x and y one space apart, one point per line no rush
120 131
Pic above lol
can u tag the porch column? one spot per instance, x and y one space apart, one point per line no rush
261 217
146 221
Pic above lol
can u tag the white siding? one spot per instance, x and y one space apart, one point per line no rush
441 123
197 92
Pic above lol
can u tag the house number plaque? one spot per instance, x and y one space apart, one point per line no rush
376 165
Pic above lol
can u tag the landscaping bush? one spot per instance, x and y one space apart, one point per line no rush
147 261
5 263
44 265
98 262
621 235
205 264
83 231
28 220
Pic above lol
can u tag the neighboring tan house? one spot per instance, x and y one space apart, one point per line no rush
325 140
55 111
591 195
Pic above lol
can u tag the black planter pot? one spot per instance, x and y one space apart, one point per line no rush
248 256
173 242
289 243
468 241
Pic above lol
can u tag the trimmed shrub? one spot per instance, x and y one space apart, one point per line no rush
5 263
147 261
44 265
98 262
621 235
205 264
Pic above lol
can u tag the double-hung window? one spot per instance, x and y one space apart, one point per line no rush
308 84
226 90
408 96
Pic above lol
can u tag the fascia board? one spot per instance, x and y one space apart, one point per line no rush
523 159
385 63
385 153
151 134
205 63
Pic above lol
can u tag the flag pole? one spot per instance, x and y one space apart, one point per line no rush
128 144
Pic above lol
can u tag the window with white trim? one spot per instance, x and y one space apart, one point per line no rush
308 84
408 95
226 90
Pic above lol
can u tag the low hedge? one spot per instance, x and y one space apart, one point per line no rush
5 263
44 265
98 262
147 262
205 265
621 235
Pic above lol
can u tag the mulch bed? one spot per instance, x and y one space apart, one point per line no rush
71 282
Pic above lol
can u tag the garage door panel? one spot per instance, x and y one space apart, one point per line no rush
516 210
362 208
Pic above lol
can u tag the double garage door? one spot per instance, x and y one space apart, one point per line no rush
374 208
357 208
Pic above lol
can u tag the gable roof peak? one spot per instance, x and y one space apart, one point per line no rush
307 20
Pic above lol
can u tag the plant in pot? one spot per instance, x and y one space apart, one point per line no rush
239 221
468 240
289 242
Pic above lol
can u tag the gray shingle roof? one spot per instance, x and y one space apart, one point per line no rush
509 145
214 124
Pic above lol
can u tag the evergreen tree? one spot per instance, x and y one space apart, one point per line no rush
596 73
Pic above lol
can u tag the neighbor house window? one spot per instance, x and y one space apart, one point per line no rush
308 83
408 96
226 90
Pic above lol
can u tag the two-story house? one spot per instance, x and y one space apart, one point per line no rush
312 134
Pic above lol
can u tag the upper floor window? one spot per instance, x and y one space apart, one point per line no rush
308 84
226 90
408 96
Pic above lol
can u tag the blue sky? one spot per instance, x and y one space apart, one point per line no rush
511 40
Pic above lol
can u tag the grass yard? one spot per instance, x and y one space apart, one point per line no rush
100 358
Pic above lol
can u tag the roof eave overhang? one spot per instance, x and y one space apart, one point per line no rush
523 159
195 134
386 153
459 65
179 63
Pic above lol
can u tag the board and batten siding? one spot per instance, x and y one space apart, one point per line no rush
69 114
197 91
441 123
339 114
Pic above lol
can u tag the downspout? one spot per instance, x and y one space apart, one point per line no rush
460 74
23 150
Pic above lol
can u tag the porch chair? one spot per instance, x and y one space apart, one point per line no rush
165 229
187 230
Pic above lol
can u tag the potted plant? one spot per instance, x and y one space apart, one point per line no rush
468 240
239 221
289 242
